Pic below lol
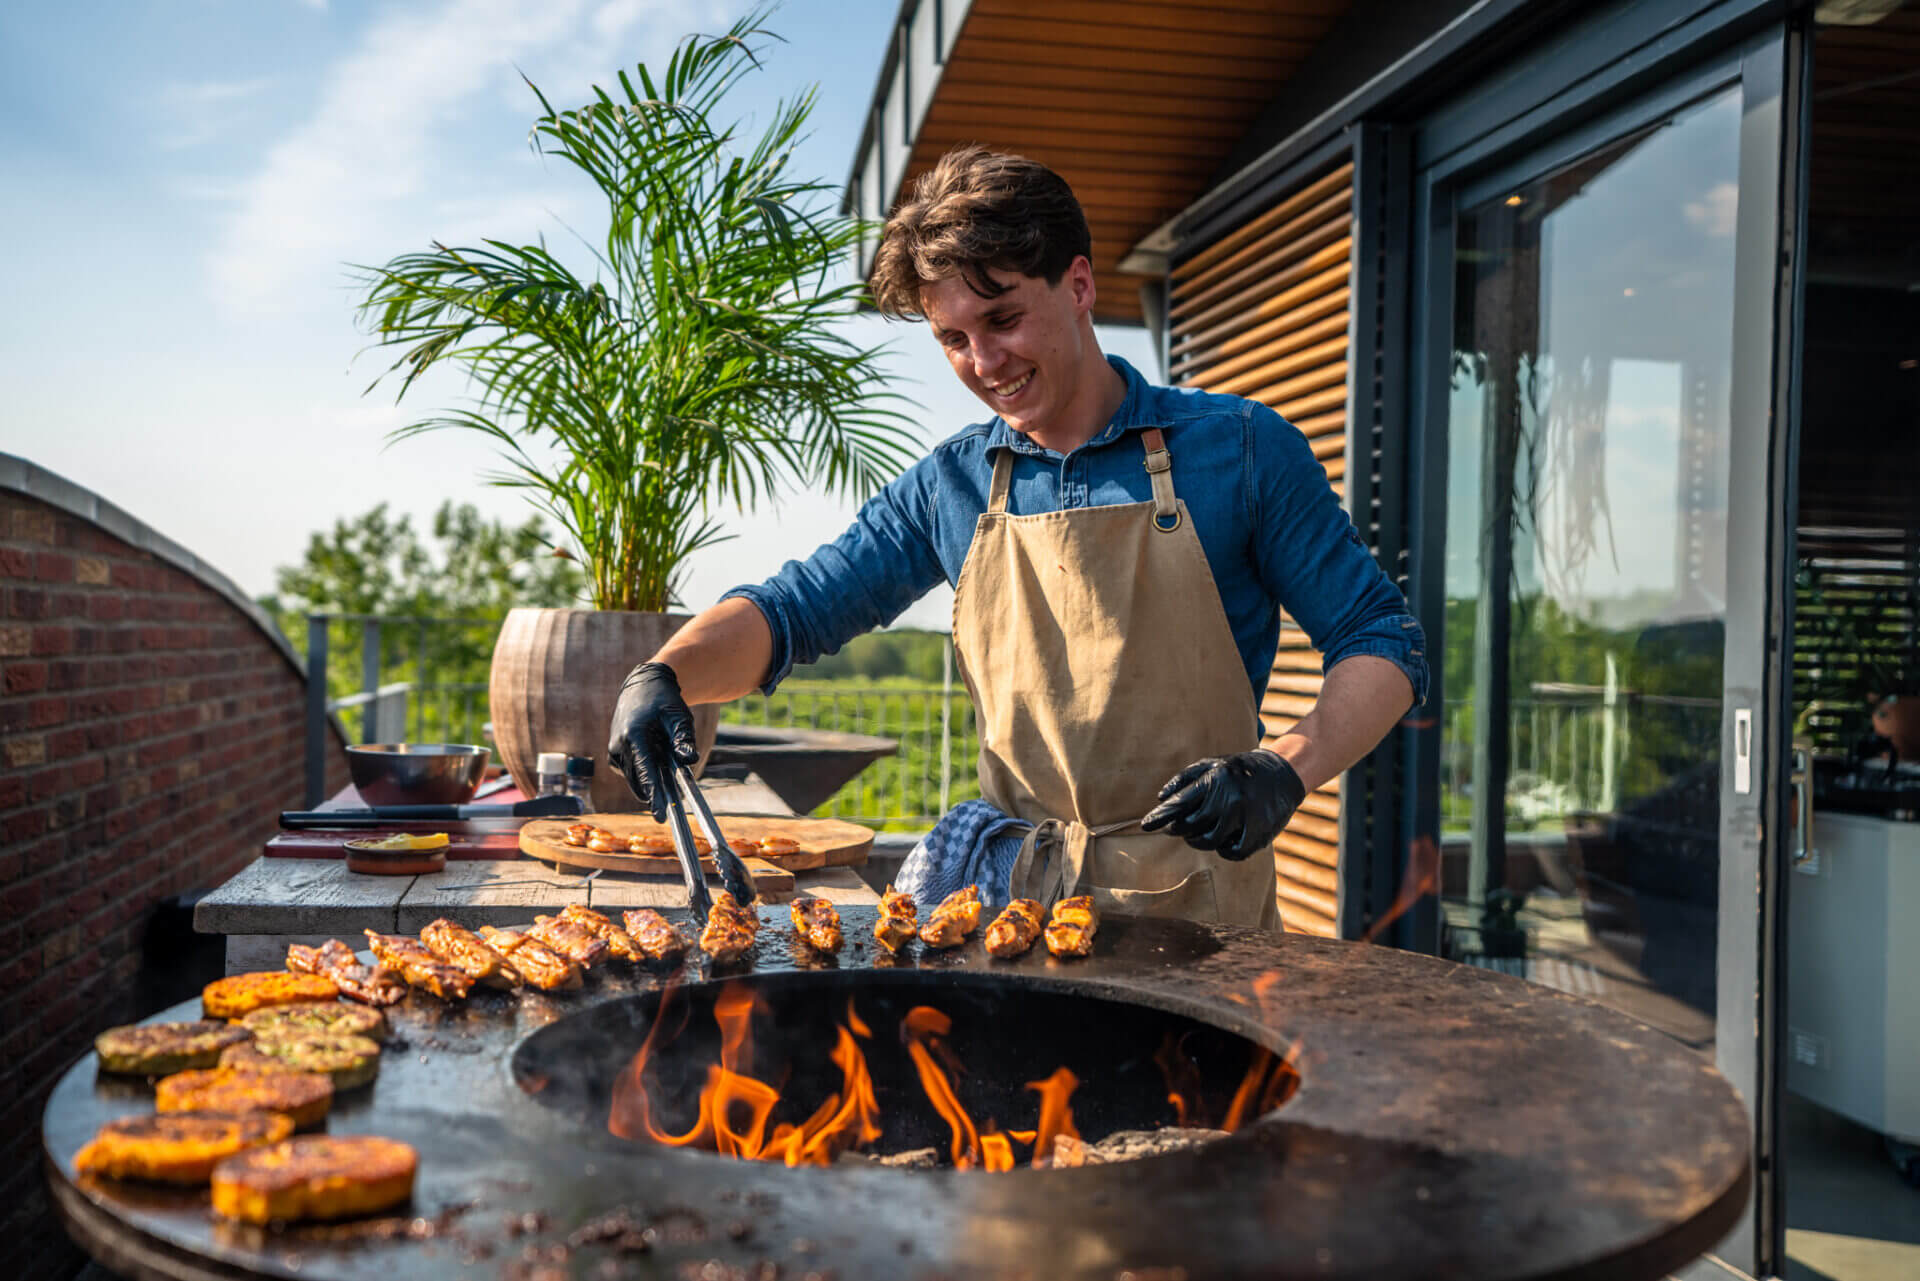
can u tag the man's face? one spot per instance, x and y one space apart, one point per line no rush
1022 353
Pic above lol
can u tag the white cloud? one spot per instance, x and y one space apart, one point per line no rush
1715 212
354 181
199 113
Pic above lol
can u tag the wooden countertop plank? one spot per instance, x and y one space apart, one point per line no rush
488 892
305 896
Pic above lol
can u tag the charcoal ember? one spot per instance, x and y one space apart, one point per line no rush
913 1159
1132 1145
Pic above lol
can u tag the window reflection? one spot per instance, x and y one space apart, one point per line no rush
1585 571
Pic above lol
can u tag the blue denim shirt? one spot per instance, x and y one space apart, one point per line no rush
1274 534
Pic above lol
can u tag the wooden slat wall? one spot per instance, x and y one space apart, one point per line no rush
1263 313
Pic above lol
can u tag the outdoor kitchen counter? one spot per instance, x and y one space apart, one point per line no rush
273 902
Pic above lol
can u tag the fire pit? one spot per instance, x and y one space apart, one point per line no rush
1445 1122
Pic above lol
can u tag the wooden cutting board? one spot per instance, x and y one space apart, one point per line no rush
824 842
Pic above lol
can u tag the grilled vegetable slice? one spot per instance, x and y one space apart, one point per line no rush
571 939
302 1096
899 919
618 941
957 916
467 952
659 938
238 995
369 985
413 961
730 929
177 1147
538 964
1015 929
816 921
1070 932
350 1061
158 1048
281 1022
317 1177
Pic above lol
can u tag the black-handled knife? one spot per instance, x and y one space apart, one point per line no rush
383 815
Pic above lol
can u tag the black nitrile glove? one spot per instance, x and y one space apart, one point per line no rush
1231 804
652 728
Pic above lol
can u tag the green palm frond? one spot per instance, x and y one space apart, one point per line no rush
702 361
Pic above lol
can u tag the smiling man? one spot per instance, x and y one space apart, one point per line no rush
1120 554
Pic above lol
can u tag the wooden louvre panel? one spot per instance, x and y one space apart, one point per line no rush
1262 313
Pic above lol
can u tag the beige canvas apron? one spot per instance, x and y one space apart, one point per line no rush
1101 663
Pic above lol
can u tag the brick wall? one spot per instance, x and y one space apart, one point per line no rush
149 732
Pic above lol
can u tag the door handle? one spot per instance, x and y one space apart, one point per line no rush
1803 852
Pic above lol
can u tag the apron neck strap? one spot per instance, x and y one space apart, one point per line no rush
1159 472
1002 481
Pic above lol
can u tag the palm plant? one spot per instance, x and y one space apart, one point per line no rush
701 360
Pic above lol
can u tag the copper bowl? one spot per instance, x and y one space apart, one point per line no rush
416 773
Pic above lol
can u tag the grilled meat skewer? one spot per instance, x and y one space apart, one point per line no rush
618 941
417 964
899 919
730 929
1015 929
467 952
367 984
1070 932
571 939
816 921
957 916
539 964
658 937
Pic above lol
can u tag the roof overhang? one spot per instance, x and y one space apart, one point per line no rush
1136 103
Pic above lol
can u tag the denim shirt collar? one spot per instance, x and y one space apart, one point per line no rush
1130 416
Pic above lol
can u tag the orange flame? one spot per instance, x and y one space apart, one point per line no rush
1056 1112
1422 879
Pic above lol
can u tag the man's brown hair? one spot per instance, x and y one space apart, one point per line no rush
975 210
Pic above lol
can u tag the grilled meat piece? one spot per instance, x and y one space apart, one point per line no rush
659 938
730 929
778 846
1015 929
241 994
416 963
302 1096
369 985
1070 932
899 919
179 1147
577 833
654 844
538 964
467 952
957 916
601 841
618 941
159 1048
816 921
322 1176
571 939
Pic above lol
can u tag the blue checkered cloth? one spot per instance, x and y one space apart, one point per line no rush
975 844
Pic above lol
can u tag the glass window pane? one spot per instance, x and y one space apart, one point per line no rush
1586 571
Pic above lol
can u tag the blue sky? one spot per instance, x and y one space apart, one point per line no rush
185 181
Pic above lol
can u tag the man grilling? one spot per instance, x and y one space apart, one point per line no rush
1120 554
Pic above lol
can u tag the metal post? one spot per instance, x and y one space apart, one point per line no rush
420 684
946 726
316 709
370 680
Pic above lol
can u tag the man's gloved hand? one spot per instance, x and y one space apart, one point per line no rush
652 728
1231 804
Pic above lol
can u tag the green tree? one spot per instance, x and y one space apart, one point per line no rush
465 568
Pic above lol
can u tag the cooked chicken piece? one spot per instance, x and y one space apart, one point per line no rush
778 846
617 940
577 833
1070 932
601 841
413 961
571 939
656 844
367 984
816 921
730 929
957 916
1015 929
538 964
467 952
899 919
658 937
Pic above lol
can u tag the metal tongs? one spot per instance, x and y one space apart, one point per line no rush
733 873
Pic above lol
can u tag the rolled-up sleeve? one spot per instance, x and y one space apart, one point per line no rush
861 580
1312 559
